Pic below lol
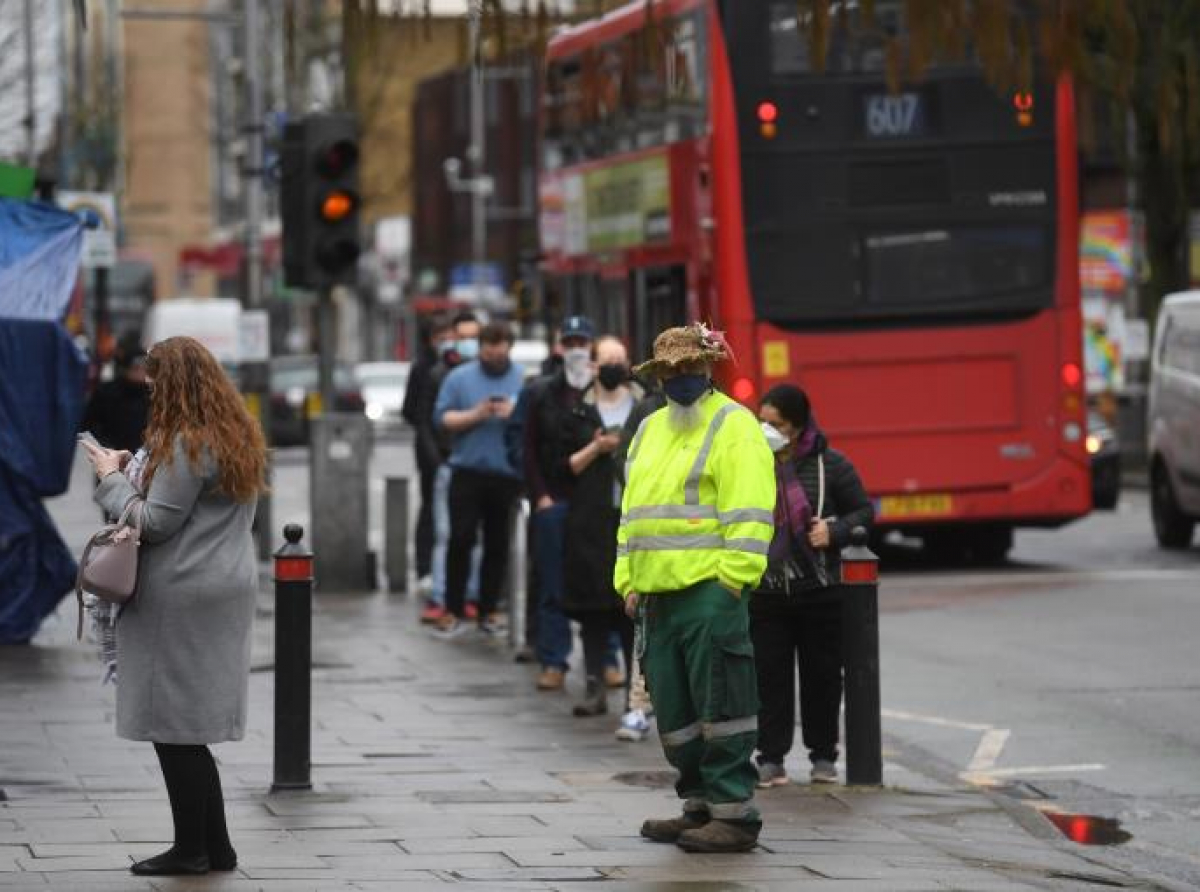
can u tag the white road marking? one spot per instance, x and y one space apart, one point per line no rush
1017 771
988 751
933 720
982 770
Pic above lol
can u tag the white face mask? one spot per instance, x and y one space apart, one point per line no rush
577 366
775 440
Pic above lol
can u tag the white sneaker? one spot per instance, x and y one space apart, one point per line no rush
823 772
634 726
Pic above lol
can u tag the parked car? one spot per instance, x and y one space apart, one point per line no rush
295 396
1174 421
530 354
383 385
1105 453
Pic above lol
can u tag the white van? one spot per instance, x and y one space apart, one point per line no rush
215 322
1174 421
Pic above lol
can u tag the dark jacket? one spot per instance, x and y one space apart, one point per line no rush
549 412
434 443
117 414
846 506
419 398
593 513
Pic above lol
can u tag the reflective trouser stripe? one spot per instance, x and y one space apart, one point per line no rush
731 728
682 736
733 811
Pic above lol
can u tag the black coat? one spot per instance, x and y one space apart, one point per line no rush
593 514
846 506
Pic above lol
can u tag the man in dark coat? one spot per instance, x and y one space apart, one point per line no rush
427 459
118 410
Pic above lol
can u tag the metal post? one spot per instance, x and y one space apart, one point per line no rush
396 533
256 376
477 153
326 349
517 593
339 457
30 86
293 663
860 655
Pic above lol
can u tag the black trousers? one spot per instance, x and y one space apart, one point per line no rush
807 634
423 537
594 631
479 499
197 804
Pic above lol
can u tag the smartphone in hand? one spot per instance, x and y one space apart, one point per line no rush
89 439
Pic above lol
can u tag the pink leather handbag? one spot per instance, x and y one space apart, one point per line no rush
109 565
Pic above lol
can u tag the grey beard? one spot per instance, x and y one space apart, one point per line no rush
682 419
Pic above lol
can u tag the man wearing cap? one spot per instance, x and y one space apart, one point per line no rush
549 481
696 524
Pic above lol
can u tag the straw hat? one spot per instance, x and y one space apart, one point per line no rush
678 346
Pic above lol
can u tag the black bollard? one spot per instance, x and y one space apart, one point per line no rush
860 654
293 663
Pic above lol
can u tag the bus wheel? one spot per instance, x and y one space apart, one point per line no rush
947 547
1172 528
991 545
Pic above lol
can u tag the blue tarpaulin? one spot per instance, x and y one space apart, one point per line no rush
42 377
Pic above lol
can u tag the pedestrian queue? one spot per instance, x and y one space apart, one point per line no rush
183 641
795 611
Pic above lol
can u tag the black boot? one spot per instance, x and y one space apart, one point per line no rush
171 864
595 700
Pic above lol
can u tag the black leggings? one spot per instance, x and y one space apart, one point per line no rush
197 805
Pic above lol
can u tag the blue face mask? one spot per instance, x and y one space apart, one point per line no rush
686 389
467 348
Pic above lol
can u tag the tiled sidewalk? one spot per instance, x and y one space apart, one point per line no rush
438 763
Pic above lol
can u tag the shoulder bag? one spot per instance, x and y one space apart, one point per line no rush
108 568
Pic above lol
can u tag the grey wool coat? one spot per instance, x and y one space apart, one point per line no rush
183 642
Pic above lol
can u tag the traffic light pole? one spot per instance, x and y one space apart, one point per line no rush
325 349
256 380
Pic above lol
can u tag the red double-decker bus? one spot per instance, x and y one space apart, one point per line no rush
910 258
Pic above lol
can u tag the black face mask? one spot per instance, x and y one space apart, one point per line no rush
612 375
496 369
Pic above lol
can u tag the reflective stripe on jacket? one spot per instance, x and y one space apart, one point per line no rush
699 504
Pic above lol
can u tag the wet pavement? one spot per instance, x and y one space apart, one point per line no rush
437 763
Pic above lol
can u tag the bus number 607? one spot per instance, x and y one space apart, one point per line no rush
894 115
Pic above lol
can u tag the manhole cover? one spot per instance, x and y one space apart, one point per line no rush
654 779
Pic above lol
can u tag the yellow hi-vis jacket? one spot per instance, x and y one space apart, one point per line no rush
699 504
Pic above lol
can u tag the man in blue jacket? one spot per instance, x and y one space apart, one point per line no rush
473 404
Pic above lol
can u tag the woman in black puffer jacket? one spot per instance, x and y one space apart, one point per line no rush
795 614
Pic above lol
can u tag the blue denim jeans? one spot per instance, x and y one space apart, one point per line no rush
554 629
441 542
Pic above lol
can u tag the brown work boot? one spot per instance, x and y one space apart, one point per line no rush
721 836
551 679
670 829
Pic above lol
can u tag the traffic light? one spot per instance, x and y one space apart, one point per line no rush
320 201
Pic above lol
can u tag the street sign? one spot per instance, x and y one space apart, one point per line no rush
254 341
100 241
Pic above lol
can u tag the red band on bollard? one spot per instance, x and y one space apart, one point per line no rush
860 572
293 569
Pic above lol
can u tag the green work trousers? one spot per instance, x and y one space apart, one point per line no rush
699 668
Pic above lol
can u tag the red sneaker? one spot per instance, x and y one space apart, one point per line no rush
471 611
431 613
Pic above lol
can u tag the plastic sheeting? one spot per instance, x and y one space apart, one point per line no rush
39 259
42 377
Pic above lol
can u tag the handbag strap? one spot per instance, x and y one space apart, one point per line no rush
127 519
820 485
87 551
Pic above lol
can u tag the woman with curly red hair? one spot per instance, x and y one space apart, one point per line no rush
183 642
